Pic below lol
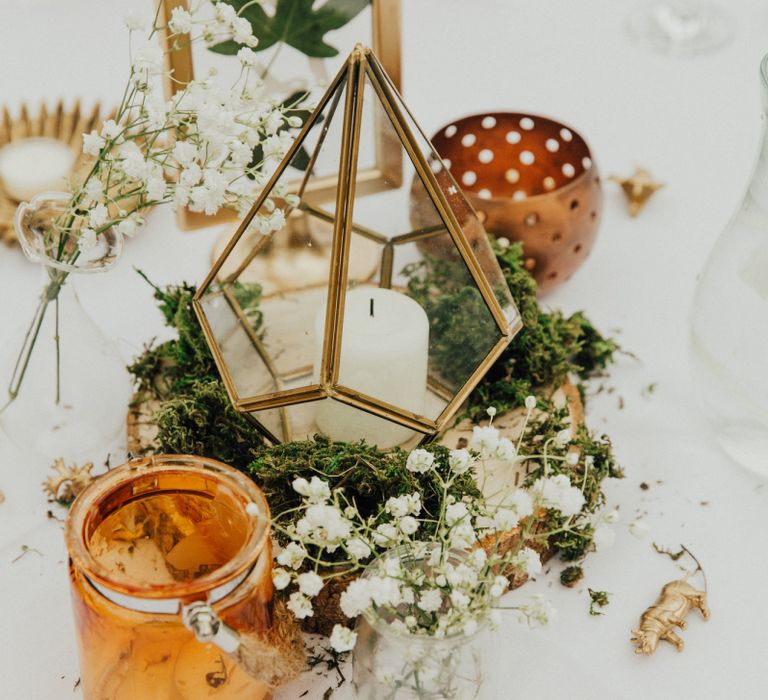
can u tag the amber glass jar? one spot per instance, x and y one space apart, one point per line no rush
148 539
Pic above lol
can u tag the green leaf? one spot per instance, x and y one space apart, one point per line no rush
295 22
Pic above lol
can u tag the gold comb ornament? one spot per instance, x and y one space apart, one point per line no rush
42 130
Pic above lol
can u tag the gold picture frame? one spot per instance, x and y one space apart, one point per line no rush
385 38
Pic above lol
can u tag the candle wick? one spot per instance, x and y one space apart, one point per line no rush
371 307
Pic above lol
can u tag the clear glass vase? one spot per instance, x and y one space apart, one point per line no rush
390 663
67 386
729 322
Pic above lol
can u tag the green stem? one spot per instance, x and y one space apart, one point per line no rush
57 338
50 293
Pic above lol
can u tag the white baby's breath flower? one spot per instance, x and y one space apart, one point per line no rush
111 130
130 225
558 493
310 584
455 512
92 143
86 241
358 549
485 439
242 32
530 402
430 600
499 585
539 611
385 534
280 578
247 57
300 606
135 21
420 461
528 561
316 490
603 537
156 188
505 450
563 438
292 556
409 525
185 154
94 189
460 600
384 590
342 639
181 21
491 411
572 458
638 528
98 216
295 122
356 598
148 59
460 461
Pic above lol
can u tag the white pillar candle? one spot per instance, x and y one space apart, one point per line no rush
34 165
384 354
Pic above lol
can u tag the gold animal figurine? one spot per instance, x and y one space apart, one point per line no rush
658 622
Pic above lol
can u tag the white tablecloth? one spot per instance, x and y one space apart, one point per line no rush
694 123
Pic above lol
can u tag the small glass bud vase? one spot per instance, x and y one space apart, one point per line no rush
392 663
171 579
67 386
729 322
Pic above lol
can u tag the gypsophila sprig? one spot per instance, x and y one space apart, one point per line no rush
442 584
194 150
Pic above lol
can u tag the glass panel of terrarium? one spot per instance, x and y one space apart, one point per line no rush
278 271
462 210
462 330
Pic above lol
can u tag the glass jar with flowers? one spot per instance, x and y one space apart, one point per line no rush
195 150
428 585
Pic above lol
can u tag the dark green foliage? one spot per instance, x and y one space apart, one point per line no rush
196 416
548 348
201 421
461 330
599 599
367 475
571 575
294 22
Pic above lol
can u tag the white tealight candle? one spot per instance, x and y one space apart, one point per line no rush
384 354
34 165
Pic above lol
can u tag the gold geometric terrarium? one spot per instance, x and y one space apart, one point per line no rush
398 306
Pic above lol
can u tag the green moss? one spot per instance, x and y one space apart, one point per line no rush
201 421
368 475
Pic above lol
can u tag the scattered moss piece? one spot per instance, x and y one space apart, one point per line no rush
674 556
597 599
571 575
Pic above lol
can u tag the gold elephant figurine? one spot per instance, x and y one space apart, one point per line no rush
658 622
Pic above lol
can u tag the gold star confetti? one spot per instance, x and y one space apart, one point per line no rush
638 189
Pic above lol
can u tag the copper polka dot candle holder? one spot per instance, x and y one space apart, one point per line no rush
531 179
